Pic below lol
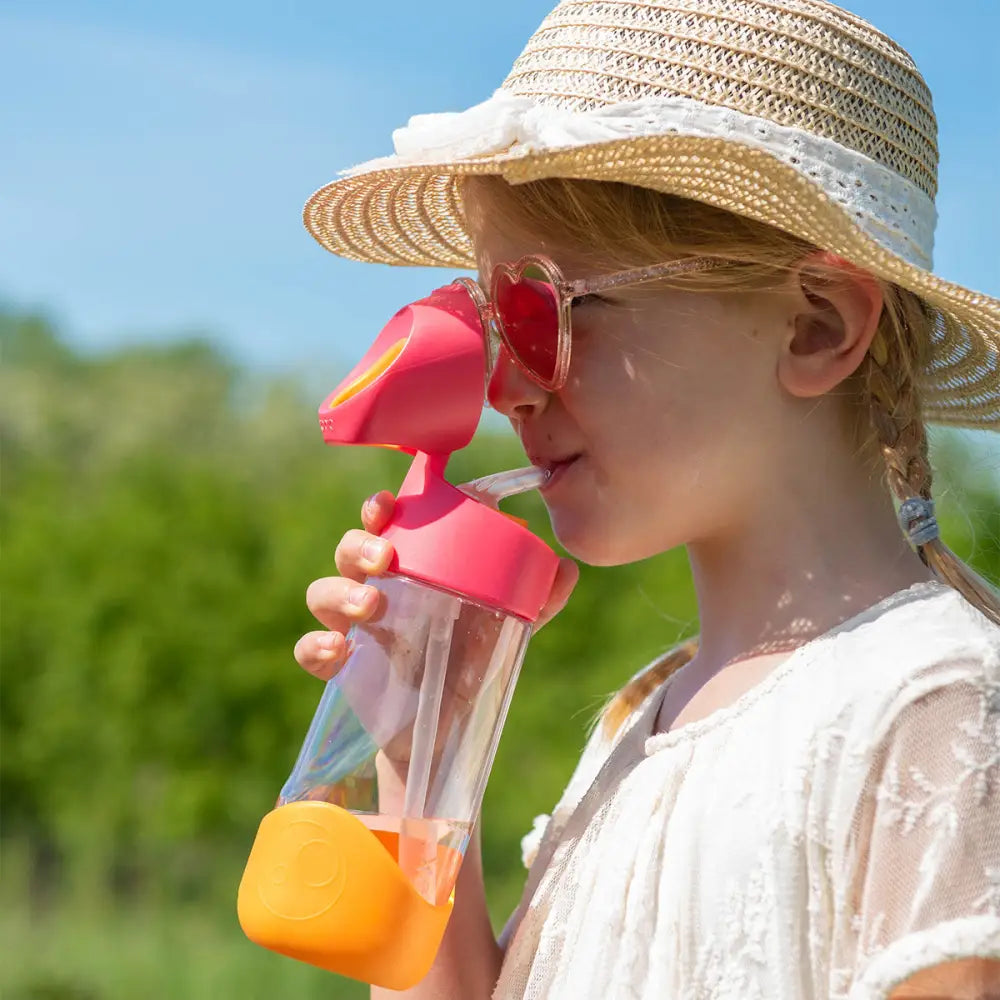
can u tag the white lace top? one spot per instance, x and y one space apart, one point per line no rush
831 832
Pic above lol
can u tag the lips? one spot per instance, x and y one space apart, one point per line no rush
553 464
557 467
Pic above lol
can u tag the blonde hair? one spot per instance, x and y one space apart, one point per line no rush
619 225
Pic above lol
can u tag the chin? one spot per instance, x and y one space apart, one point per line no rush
595 543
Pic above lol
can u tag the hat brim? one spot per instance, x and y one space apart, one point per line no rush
411 215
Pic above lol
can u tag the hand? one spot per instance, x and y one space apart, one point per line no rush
338 602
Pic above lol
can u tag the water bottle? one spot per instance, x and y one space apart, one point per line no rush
354 869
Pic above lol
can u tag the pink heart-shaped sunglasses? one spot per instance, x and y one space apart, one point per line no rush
529 303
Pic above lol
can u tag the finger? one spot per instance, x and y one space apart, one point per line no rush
360 554
566 579
338 602
321 654
376 511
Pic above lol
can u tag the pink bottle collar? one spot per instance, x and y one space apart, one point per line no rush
447 539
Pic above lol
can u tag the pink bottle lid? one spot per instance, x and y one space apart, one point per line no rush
420 388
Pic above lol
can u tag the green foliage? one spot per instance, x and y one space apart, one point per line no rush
162 514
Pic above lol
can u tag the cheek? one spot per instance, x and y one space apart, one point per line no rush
613 357
646 383
665 436
639 385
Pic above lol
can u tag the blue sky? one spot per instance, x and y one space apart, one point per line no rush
157 155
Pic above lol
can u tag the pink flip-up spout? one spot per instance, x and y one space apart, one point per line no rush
420 386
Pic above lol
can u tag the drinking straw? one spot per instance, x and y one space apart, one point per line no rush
496 487
425 729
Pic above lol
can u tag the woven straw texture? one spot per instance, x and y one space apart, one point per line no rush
792 66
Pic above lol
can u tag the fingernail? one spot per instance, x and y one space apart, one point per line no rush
359 596
373 550
327 641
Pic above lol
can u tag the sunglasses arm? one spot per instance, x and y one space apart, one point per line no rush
639 275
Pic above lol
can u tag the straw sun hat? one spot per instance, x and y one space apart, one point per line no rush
792 112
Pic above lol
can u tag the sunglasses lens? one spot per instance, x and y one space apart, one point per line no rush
528 309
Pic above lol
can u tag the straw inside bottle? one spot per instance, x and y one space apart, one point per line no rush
418 849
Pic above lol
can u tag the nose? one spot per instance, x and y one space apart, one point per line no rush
511 392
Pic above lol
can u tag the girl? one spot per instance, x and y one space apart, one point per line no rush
703 235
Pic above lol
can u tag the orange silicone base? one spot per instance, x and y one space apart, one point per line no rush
320 887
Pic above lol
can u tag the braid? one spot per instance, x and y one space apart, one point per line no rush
899 350
894 406
635 692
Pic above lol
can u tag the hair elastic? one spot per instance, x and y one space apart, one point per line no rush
916 517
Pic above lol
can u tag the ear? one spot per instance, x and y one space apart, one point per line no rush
835 312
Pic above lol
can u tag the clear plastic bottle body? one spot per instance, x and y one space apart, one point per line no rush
405 734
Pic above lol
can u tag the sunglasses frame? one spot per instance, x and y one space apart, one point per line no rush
566 291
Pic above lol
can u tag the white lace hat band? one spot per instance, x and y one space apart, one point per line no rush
891 209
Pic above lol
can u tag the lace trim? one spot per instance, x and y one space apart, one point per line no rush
966 937
890 209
